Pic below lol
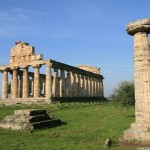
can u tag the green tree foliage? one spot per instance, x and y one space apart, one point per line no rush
123 95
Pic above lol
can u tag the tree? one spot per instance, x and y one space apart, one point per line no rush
123 95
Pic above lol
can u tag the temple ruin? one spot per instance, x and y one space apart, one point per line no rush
140 129
60 80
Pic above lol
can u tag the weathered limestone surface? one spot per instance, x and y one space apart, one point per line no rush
30 119
140 130
141 25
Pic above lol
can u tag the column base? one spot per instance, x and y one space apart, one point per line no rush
138 132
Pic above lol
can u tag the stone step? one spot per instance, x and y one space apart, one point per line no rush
30 112
145 127
30 126
47 124
30 119
14 125
137 135
27 119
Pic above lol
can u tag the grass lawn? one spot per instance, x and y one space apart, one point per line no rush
84 128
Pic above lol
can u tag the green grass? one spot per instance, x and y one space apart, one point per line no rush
84 128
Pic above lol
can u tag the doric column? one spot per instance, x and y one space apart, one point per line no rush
62 84
90 86
48 81
43 87
82 86
20 86
32 86
93 86
68 85
96 87
36 80
15 83
55 83
140 129
101 89
93 79
11 86
73 84
25 93
86 86
78 85
98 83
5 85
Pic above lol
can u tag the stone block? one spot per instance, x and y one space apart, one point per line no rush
145 127
30 112
30 119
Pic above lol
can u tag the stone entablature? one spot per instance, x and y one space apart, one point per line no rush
90 69
60 80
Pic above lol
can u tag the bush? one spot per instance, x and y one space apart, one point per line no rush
123 95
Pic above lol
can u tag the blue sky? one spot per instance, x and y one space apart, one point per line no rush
75 32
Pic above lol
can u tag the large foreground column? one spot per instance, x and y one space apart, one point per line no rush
140 130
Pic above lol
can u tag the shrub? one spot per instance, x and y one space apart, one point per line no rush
123 94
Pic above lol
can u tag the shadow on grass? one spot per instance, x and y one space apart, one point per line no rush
64 123
131 116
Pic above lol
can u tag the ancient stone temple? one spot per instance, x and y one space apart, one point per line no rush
59 80
140 130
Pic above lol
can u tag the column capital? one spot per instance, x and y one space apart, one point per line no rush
36 65
141 25
4 69
24 66
49 64
14 67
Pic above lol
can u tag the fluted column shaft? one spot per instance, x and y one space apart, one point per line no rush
48 81
73 87
68 85
55 83
96 87
20 87
78 85
15 84
36 81
90 86
86 87
32 86
142 76
62 84
25 93
5 85
82 86
43 87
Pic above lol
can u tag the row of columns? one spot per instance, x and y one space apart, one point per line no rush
68 84
75 85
